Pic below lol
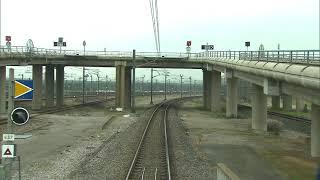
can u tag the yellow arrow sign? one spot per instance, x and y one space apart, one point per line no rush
20 89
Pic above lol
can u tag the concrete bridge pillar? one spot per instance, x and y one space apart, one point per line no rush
121 84
49 77
299 104
37 87
204 88
232 97
287 102
275 102
215 91
128 87
60 85
209 91
259 109
315 130
3 89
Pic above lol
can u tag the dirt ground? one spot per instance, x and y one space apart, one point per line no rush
249 155
61 141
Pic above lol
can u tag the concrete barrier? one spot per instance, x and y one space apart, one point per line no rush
224 173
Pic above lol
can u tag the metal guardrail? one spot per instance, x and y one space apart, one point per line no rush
281 56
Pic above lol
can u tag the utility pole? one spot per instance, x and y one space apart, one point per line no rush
133 81
98 83
165 84
194 87
181 77
142 85
151 88
83 70
106 87
91 84
190 86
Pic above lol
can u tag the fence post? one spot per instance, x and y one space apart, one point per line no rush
308 57
291 56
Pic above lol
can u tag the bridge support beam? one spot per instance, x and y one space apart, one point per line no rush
49 77
204 88
299 104
315 130
37 87
275 102
209 90
60 85
3 89
259 109
215 91
121 95
232 97
287 102
128 88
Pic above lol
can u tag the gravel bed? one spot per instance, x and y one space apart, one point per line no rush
112 161
188 162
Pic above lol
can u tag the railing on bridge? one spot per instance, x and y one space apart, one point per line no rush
287 56
24 51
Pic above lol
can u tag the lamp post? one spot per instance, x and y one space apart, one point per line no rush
83 70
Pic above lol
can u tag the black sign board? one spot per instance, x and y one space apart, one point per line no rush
207 47
247 43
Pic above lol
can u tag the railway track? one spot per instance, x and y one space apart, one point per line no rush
151 159
55 110
286 116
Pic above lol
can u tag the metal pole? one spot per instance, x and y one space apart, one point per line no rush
133 81
98 84
8 161
91 89
106 87
0 23
181 85
83 85
142 85
151 88
190 86
19 161
165 86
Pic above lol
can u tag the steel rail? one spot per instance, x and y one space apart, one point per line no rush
141 140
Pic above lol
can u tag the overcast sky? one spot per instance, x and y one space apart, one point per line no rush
126 24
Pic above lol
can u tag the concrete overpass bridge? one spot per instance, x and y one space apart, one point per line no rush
271 73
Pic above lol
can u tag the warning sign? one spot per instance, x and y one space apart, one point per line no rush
8 151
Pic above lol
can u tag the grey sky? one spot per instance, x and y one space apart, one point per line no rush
126 24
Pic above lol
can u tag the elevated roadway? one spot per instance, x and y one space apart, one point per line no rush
271 73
